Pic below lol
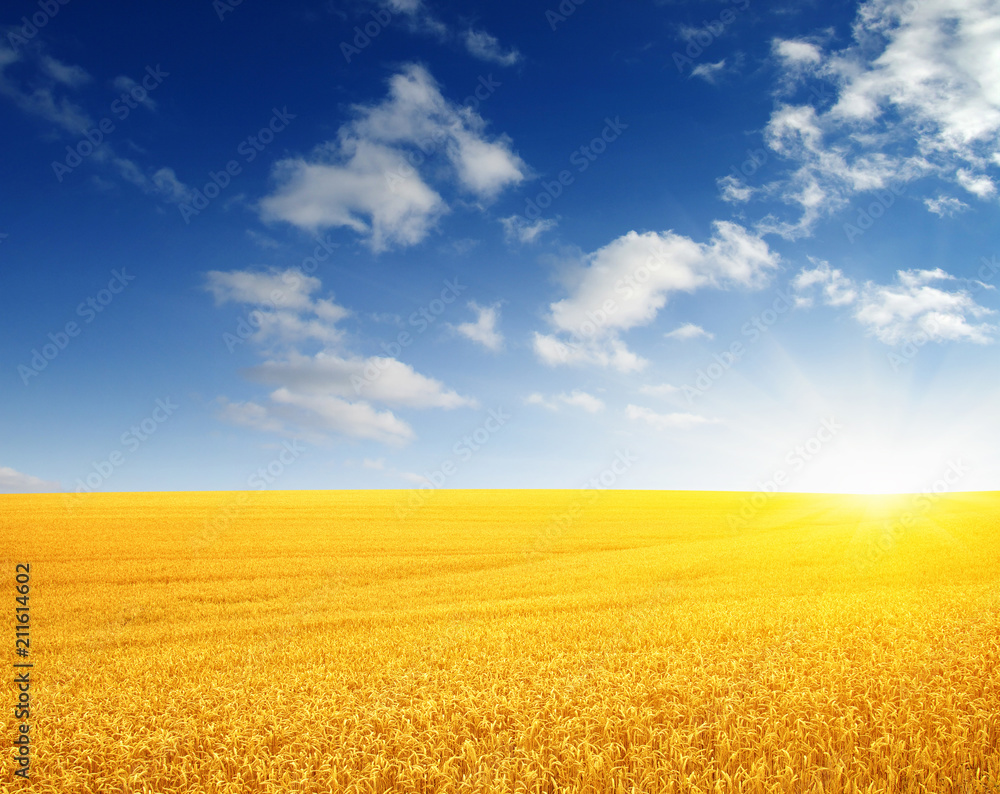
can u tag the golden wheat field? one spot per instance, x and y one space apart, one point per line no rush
508 641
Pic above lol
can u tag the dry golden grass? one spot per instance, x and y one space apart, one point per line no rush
317 642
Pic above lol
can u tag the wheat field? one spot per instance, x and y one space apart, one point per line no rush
514 641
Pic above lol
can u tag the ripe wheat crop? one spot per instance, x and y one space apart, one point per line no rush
515 641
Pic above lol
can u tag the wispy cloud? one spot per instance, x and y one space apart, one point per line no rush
689 331
484 46
484 330
12 481
576 398
672 421
330 391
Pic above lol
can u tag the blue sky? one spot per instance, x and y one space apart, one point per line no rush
405 244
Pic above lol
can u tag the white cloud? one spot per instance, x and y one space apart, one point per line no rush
328 392
638 272
627 282
734 190
370 178
42 98
576 398
285 301
660 390
674 421
945 205
377 378
482 45
580 399
249 414
483 330
838 289
916 93
12 481
67 74
314 196
797 52
689 331
978 185
127 84
517 229
353 419
602 353
902 311
709 72
377 464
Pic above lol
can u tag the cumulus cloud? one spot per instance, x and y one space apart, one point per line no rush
576 398
915 94
377 378
914 306
689 331
484 330
331 391
627 282
12 481
898 312
673 421
837 289
286 311
373 178
797 52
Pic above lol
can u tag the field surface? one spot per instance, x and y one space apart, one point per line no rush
521 641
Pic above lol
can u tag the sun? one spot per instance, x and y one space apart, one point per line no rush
879 465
